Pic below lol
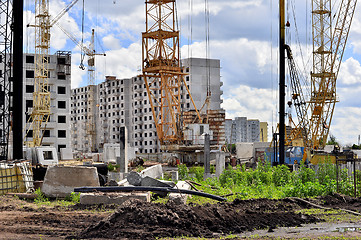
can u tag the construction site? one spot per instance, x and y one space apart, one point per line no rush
152 155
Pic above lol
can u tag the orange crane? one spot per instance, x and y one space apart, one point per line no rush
162 72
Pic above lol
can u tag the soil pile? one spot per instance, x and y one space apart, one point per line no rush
140 220
336 200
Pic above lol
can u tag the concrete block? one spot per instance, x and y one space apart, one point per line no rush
155 171
46 156
60 181
244 150
66 154
178 197
97 157
114 176
134 178
151 182
111 198
220 163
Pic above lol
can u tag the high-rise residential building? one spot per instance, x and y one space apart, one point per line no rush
243 130
125 103
263 135
57 131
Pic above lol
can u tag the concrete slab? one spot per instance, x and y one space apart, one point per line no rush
151 182
178 197
66 154
60 181
220 163
134 178
244 150
155 171
111 198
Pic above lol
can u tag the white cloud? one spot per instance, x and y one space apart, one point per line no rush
350 72
111 42
346 127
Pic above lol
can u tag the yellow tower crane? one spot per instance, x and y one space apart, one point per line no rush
162 72
328 49
41 97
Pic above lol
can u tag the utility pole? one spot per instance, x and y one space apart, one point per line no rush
18 6
282 84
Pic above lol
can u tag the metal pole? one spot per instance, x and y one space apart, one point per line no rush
354 176
18 79
282 84
337 190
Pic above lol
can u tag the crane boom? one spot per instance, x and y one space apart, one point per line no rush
62 12
298 100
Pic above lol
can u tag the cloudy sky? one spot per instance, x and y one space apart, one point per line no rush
243 35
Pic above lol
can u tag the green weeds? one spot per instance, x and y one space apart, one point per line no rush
272 182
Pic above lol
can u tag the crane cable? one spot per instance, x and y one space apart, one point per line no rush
208 63
82 52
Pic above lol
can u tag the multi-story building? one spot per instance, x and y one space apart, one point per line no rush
263 131
242 130
57 131
124 102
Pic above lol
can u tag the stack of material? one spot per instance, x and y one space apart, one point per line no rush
216 119
16 177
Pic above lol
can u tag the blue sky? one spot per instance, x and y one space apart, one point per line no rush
243 35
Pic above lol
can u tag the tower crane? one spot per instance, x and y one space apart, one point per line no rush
41 97
328 50
162 72
315 114
6 37
91 53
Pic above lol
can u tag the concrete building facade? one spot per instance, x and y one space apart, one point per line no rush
242 129
125 103
57 131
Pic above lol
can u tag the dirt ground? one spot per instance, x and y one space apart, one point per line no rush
20 219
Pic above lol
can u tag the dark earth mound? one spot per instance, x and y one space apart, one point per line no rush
140 220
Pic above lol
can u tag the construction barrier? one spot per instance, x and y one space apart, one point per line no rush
16 177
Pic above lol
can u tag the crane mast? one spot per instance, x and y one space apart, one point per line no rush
90 128
162 72
6 8
41 96
41 111
328 49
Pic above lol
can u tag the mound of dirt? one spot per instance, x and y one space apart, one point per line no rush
336 200
140 220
